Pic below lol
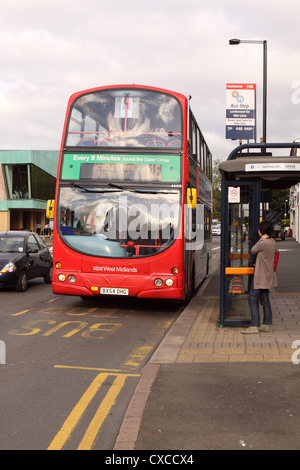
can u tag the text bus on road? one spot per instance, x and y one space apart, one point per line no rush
133 196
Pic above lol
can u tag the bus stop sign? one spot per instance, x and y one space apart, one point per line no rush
241 111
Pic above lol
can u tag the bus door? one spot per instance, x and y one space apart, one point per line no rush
240 218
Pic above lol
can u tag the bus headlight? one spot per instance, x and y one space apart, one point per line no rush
158 282
169 282
61 277
72 278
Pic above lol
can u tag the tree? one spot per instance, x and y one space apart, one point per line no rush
279 196
216 189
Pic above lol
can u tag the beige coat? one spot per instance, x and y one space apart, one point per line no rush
264 275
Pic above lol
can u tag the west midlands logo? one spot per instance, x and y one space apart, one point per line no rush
239 98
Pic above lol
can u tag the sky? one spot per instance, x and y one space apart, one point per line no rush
52 49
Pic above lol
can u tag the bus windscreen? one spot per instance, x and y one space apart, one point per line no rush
125 118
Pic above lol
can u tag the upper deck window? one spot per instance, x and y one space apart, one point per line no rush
125 118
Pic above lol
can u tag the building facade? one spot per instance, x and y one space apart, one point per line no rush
27 181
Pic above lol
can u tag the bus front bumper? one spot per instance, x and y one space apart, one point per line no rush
174 293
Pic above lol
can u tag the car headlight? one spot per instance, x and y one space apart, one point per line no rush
9 268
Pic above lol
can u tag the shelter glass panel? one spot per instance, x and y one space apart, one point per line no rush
241 236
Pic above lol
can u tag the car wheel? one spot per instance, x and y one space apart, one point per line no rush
48 276
21 285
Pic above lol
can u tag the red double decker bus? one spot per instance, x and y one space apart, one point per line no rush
133 196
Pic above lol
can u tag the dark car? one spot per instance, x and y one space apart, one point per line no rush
23 256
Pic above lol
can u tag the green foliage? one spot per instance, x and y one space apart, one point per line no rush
216 190
278 204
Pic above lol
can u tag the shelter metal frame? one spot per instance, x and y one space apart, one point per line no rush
261 171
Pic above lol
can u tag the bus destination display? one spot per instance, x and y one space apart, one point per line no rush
121 171
107 167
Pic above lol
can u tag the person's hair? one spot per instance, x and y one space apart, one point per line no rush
266 228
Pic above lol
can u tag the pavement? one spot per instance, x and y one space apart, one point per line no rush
212 388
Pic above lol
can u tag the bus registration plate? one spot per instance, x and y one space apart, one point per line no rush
114 291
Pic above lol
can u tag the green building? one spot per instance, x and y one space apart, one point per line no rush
27 181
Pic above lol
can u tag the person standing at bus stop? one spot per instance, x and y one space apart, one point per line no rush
264 279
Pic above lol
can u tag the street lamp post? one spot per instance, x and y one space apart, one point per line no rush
285 214
234 42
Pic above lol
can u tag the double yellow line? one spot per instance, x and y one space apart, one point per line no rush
132 362
74 417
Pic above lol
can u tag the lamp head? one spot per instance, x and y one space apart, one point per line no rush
234 42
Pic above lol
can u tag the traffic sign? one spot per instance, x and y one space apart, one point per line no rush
233 194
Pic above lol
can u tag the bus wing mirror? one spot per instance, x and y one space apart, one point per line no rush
191 197
50 209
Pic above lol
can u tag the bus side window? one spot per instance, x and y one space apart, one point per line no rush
198 146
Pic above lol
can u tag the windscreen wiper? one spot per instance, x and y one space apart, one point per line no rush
87 190
139 190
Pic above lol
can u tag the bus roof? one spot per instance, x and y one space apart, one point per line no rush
180 96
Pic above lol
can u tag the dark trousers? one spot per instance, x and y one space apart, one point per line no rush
256 297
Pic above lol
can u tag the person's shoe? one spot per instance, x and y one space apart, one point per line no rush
263 328
250 330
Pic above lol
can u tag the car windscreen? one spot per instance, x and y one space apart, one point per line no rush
13 244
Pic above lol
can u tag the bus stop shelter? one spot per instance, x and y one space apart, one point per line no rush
249 175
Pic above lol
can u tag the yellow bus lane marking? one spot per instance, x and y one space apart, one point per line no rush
78 311
102 412
28 310
96 331
74 311
88 368
137 356
133 361
19 313
65 432
76 414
